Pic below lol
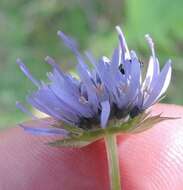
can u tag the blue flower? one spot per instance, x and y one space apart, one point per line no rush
113 89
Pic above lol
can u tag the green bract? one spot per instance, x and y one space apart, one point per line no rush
80 138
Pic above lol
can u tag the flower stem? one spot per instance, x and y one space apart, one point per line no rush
113 161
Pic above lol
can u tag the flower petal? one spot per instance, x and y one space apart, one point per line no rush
87 81
160 86
68 41
25 110
156 68
26 71
45 131
116 58
105 113
124 47
46 101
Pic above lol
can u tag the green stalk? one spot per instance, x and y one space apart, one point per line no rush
113 161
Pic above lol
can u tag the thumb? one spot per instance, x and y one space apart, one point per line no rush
151 160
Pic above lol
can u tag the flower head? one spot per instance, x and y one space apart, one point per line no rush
113 90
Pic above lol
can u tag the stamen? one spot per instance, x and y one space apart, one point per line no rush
147 91
100 88
124 88
83 100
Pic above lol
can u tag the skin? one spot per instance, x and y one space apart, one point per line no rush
152 160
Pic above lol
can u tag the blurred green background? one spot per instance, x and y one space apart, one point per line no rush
28 30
